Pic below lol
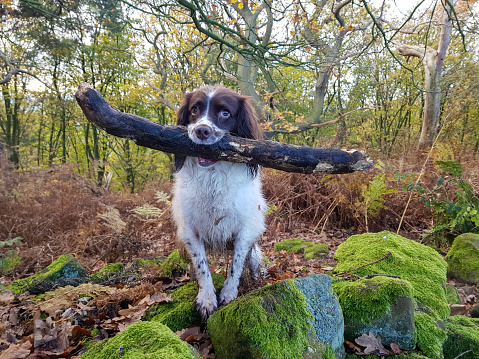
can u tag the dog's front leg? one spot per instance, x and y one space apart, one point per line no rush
205 302
243 244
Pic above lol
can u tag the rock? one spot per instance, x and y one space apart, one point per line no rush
142 340
181 312
289 319
475 311
463 258
385 306
293 245
462 336
65 270
422 274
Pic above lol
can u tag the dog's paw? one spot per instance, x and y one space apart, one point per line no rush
206 305
228 293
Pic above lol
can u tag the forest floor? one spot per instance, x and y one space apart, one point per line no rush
58 212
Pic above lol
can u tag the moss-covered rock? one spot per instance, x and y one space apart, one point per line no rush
463 258
293 245
65 270
276 321
142 340
462 335
452 295
108 270
181 312
174 263
383 306
421 266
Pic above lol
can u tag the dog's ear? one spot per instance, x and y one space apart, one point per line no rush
183 114
182 119
248 124
248 127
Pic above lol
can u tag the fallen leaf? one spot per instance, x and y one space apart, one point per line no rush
17 351
395 348
372 344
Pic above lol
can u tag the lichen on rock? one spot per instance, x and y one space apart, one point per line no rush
276 321
463 258
419 265
142 340
65 270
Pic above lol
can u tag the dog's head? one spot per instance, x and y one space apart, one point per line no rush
212 111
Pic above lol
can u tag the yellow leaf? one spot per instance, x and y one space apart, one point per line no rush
240 5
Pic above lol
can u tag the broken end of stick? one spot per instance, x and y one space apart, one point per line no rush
82 88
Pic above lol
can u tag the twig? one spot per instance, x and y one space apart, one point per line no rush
356 277
460 355
365 265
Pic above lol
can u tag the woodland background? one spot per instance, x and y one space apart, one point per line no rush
400 83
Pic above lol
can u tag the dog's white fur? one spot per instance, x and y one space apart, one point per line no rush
213 205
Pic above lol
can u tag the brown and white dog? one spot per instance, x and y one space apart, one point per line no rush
217 202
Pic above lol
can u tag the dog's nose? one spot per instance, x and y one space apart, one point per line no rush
203 132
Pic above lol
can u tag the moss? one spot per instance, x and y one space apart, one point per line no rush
270 322
463 258
142 340
462 335
452 295
420 265
142 262
311 250
408 355
65 266
95 332
108 270
367 299
174 263
180 313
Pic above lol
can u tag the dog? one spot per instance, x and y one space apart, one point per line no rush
218 203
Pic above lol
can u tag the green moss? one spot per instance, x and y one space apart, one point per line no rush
180 313
95 332
462 335
409 355
142 340
367 299
108 270
430 335
65 266
420 265
142 263
271 322
452 295
311 250
463 258
174 263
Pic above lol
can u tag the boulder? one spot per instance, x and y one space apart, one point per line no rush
463 258
180 313
422 279
293 245
293 318
142 340
462 336
65 270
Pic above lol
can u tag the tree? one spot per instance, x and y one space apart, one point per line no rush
433 61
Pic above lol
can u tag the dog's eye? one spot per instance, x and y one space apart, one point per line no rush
225 113
194 110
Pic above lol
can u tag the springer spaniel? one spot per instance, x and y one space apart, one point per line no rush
215 202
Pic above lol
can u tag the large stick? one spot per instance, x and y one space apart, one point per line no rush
174 139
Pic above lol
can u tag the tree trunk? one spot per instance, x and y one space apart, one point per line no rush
174 139
433 61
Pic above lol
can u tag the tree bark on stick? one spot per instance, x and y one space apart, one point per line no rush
174 139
